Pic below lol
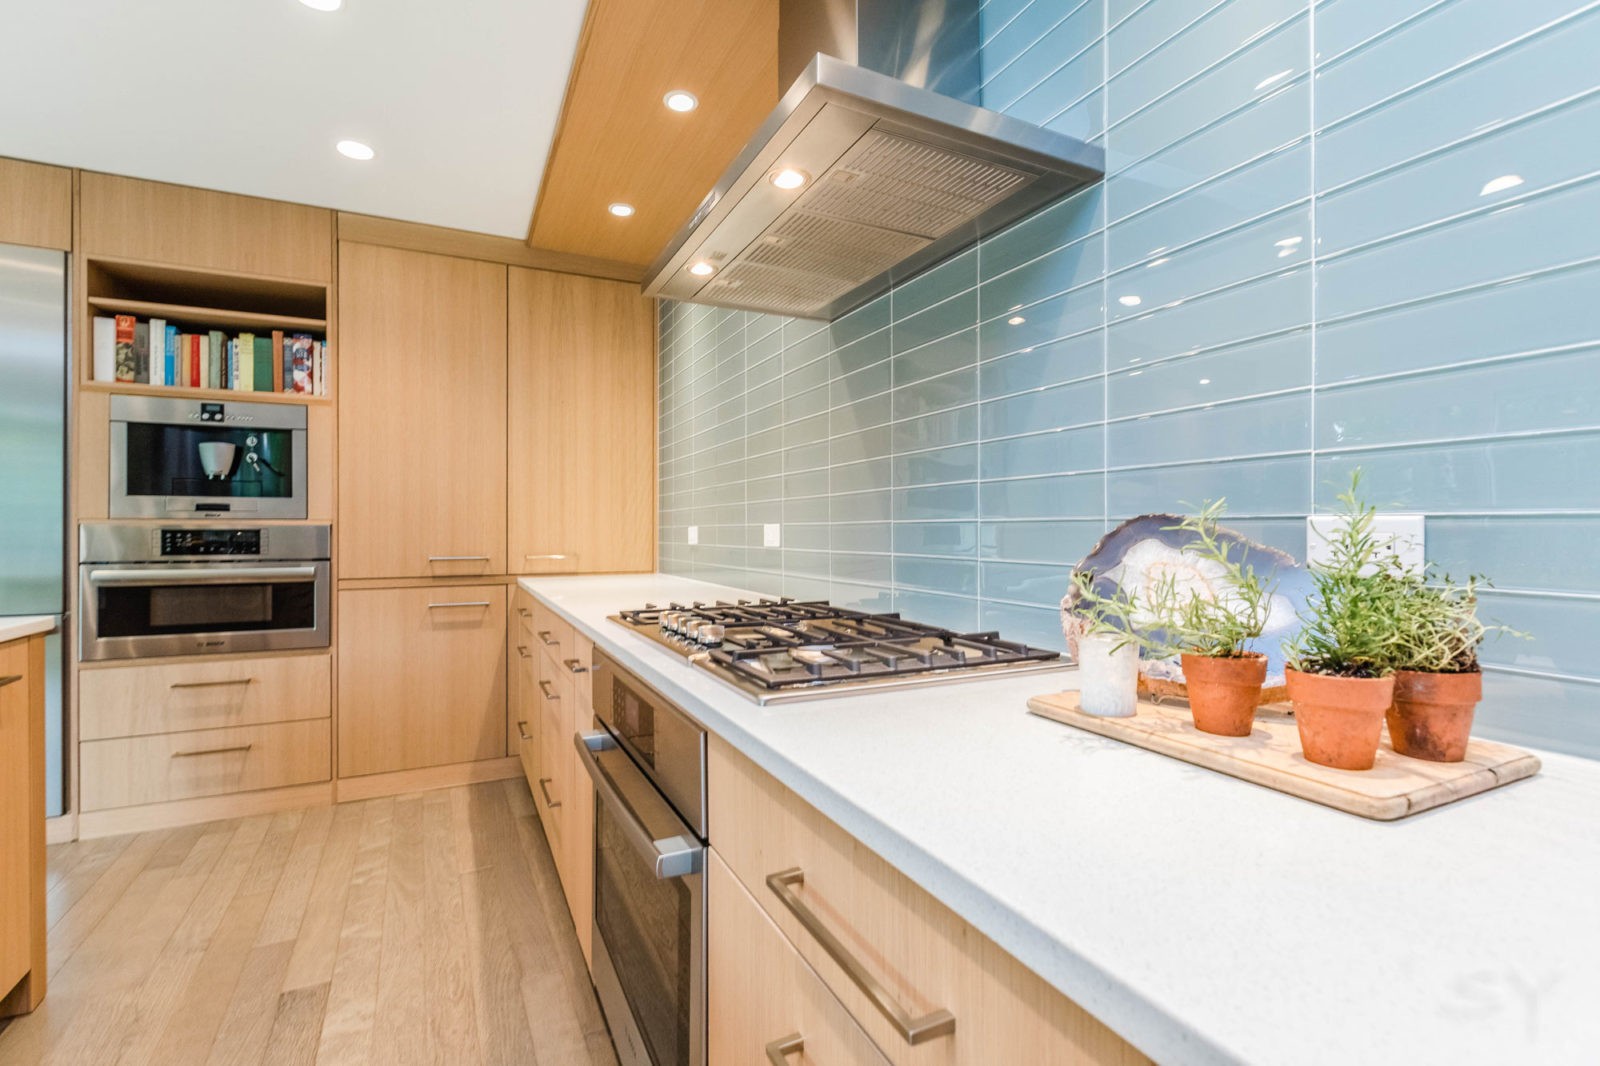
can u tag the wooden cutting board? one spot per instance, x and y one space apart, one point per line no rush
1395 786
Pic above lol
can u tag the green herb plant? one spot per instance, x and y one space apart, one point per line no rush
1353 622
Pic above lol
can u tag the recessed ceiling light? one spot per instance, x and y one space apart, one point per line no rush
681 100
1129 301
1015 320
701 269
323 5
1501 184
354 149
789 178
621 210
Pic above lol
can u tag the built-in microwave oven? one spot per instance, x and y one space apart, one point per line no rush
174 458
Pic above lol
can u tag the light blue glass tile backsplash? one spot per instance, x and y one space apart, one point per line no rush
1332 235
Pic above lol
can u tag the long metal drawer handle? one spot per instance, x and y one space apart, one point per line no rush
219 575
778 1051
212 751
573 665
557 556
458 558
548 802
211 684
544 686
523 732
912 1030
13 679
459 603
544 637
669 857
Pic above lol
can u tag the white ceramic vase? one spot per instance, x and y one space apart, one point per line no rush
1108 681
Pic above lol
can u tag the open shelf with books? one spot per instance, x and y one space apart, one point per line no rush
165 329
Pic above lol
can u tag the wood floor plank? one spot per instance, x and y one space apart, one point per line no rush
94 860
317 945
80 919
241 1040
447 989
353 991
399 1035
284 913
297 1027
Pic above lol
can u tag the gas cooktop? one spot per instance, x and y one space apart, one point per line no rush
776 650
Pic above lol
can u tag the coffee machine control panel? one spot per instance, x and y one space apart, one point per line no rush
210 542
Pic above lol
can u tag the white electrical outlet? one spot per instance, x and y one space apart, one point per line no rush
1403 532
771 535
694 534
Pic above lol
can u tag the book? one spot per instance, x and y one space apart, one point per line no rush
141 353
195 377
275 358
104 367
169 373
260 379
217 345
125 363
245 376
156 339
299 364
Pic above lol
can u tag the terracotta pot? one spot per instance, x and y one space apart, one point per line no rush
1432 714
1340 718
1224 691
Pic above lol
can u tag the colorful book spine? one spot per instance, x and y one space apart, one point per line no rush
156 339
126 368
300 364
196 378
246 377
104 367
141 353
218 345
260 359
275 361
169 371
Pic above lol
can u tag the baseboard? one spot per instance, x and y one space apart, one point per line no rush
372 786
92 824
62 830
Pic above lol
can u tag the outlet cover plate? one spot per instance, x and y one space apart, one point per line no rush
771 535
1404 531
694 534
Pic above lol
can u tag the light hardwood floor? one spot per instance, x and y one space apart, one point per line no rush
427 928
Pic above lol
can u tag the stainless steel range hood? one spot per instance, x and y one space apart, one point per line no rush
898 176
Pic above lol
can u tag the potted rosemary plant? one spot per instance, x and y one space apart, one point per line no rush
1341 664
1438 682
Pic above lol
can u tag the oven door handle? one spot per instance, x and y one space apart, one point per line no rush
671 857
204 575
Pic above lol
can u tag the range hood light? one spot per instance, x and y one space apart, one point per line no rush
702 269
789 178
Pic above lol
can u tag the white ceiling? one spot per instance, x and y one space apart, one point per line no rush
459 98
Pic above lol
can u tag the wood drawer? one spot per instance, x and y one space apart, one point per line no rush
761 992
207 762
132 701
551 789
525 717
924 956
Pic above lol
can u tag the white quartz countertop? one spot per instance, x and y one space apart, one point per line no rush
15 627
1203 918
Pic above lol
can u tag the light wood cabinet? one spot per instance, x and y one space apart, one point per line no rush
924 955
163 767
422 677
581 435
127 701
35 205
552 786
22 855
155 222
577 862
422 415
761 994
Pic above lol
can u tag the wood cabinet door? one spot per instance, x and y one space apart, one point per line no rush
581 435
422 414
16 812
422 677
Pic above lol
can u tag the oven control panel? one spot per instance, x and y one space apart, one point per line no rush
210 542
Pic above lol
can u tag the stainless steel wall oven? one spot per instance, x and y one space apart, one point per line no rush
158 590
647 760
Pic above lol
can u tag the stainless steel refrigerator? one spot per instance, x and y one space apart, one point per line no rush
33 469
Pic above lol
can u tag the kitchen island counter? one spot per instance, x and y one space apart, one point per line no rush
1202 918
18 626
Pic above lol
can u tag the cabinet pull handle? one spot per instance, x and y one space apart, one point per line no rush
211 684
912 1030
13 679
458 558
459 603
524 612
548 802
544 686
556 556
522 732
212 751
779 1050
522 650
544 638
575 666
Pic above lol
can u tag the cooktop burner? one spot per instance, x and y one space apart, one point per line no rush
786 649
